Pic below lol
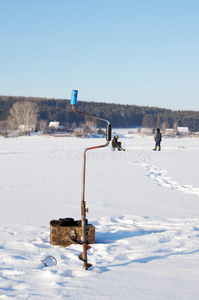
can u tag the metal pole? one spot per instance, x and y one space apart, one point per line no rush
83 213
83 255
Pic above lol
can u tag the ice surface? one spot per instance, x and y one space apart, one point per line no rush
144 205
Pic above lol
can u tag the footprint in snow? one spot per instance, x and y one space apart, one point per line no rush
160 177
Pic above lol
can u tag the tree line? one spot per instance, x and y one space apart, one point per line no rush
119 115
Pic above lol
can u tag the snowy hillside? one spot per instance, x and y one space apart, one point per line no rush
144 205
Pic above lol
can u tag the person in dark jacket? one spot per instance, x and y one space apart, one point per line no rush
157 138
116 144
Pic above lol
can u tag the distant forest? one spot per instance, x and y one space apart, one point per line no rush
119 115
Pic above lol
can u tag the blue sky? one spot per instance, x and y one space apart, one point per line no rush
143 52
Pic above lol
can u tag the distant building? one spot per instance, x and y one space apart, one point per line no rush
170 132
146 130
140 130
24 129
54 125
183 131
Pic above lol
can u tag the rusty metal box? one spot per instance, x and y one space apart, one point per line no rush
66 233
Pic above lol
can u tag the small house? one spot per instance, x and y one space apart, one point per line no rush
170 132
183 131
54 125
146 131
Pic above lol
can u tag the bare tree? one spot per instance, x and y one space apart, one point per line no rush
163 126
175 126
43 125
24 115
88 127
74 125
4 128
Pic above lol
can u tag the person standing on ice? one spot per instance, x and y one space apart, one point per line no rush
116 144
157 138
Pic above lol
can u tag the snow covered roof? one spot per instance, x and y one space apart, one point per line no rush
169 130
54 124
183 129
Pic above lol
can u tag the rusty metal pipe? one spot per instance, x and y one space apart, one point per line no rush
88 115
84 210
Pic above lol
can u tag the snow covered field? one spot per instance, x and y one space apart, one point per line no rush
144 205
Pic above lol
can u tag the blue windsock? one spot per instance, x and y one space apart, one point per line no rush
74 97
